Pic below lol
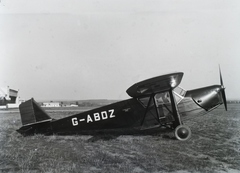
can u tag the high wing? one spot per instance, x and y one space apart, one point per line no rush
155 85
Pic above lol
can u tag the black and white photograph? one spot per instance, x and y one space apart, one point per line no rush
125 86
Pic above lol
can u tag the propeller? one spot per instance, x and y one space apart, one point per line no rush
223 90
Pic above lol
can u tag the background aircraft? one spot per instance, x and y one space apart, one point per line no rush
155 104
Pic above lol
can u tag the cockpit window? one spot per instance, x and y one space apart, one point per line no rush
162 98
144 101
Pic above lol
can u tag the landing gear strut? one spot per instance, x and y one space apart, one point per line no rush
182 132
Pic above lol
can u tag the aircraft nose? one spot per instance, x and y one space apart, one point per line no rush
208 97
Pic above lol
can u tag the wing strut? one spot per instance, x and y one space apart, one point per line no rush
155 105
175 112
147 109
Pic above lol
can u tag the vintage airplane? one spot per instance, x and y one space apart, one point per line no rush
156 103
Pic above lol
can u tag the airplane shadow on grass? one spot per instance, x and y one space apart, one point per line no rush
163 133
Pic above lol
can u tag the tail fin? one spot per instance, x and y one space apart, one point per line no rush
32 113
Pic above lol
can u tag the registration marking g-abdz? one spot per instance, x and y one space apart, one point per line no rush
98 116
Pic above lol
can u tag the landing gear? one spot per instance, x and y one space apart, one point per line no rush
182 132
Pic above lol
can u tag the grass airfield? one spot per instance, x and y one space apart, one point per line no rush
213 147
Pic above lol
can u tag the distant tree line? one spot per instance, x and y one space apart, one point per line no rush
233 101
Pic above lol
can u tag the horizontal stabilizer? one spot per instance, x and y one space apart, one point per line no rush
32 113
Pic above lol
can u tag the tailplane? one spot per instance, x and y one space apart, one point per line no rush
32 113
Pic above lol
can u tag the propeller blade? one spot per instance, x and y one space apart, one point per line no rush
224 98
221 81
223 90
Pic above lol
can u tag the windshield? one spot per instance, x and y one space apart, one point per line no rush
179 93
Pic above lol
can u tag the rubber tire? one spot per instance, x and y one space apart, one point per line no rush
182 133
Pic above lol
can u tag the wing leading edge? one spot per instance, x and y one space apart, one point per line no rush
155 85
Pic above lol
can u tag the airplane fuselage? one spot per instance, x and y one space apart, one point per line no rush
129 115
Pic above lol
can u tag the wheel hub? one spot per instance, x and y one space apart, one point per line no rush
182 133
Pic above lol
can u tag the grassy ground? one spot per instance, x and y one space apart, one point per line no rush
214 147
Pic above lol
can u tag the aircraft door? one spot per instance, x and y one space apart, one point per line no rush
158 110
163 105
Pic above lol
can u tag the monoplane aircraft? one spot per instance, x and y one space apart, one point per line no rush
156 103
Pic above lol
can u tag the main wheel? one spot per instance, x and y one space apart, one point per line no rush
183 133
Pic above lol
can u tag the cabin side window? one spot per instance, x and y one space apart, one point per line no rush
144 101
159 99
162 98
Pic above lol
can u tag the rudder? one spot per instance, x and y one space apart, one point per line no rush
32 113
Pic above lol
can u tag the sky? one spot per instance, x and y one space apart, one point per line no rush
96 49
